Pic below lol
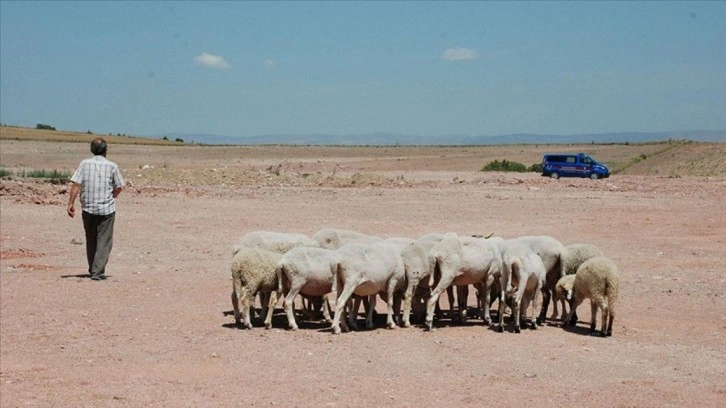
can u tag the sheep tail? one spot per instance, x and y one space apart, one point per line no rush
279 274
435 276
337 276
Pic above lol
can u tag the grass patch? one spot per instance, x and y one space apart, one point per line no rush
52 176
5 172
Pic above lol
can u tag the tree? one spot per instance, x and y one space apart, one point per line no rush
44 126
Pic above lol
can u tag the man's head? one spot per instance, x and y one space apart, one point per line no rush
98 147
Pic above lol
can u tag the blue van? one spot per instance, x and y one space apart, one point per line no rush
573 165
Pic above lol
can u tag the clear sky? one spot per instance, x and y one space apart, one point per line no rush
413 68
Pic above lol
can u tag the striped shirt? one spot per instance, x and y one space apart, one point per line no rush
98 178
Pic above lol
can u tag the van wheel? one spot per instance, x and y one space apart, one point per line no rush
594 176
555 175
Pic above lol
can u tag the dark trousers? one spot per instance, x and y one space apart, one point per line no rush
99 241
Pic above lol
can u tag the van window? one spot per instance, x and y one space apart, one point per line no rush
571 159
586 160
557 158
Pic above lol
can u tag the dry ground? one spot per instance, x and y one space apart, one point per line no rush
156 333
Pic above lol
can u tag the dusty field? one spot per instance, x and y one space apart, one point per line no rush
157 333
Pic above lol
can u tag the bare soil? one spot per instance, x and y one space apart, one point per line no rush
158 331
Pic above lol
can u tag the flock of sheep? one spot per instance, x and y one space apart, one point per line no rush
360 267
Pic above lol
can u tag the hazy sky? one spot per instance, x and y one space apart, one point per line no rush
414 68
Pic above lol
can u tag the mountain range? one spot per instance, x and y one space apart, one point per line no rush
393 139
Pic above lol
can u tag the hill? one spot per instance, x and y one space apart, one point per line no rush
666 158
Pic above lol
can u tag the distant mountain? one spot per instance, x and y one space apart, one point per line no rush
392 139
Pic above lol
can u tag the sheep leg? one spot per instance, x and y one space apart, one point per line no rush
444 284
289 302
390 300
340 304
462 295
610 323
235 306
326 309
353 311
452 302
605 318
244 301
397 300
270 309
555 310
407 298
369 312
593 315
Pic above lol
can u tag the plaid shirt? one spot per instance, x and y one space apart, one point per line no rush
98 178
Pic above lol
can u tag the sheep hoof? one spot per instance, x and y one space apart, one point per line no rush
500 329
336 330
539 321
516 329
293 328
609 333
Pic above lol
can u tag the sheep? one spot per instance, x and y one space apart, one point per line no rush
575 255
460 261
334 238
253 271
598 280
525 271
417 266
368 269
561 293
308 271
552 253
280 242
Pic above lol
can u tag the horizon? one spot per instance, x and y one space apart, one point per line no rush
429 69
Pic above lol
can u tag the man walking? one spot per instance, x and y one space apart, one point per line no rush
99 182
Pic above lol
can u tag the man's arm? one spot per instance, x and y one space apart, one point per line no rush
117 191
75 189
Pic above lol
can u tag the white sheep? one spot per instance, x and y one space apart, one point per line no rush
308 271
280 242
598 280
561 293
334 238
367 270
523 276
460 261
253 271
575 255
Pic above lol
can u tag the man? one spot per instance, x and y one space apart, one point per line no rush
99 181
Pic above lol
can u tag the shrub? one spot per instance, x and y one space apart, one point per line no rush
5 172
537 168
505 165
178 139
44 126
